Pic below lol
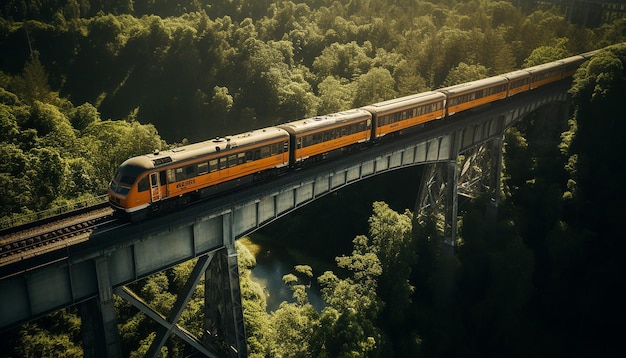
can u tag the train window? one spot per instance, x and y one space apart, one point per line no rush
265 152
180 174
519 83
241 158
232 160
171 177
143 185
162 177
213 165
223 163
127 179
203 168
190 171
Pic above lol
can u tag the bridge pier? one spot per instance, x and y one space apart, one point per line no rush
98 319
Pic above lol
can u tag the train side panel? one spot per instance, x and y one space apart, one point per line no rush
519 82
314 138
474 94
544 74
406 112
570 65
312 147
215 170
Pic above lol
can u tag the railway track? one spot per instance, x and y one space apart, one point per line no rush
59 232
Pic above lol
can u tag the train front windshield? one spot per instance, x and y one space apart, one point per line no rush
124 179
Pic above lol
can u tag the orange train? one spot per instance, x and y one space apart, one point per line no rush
151 183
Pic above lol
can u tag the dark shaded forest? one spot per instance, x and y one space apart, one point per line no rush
85 85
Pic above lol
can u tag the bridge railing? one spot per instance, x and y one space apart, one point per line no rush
13 221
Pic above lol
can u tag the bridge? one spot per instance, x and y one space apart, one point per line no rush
462 155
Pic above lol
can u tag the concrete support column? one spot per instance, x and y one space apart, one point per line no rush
99 322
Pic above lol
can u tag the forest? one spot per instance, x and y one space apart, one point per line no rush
86 84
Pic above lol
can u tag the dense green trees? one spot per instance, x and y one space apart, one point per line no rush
55 152
372 288
163 61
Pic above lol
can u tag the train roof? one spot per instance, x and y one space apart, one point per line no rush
588 55
405 102
543 67
326 121
474 85
578 59
195 150
513 75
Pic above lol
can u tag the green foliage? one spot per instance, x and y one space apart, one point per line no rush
57 152
376 85
60 337
33 85
544 54
465 73
162 61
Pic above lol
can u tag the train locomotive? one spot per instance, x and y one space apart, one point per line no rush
151 183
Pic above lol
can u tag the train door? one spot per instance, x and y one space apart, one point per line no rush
155 188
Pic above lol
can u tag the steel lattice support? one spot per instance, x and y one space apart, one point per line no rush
480 168
475 173
223 317
168 324
437 199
